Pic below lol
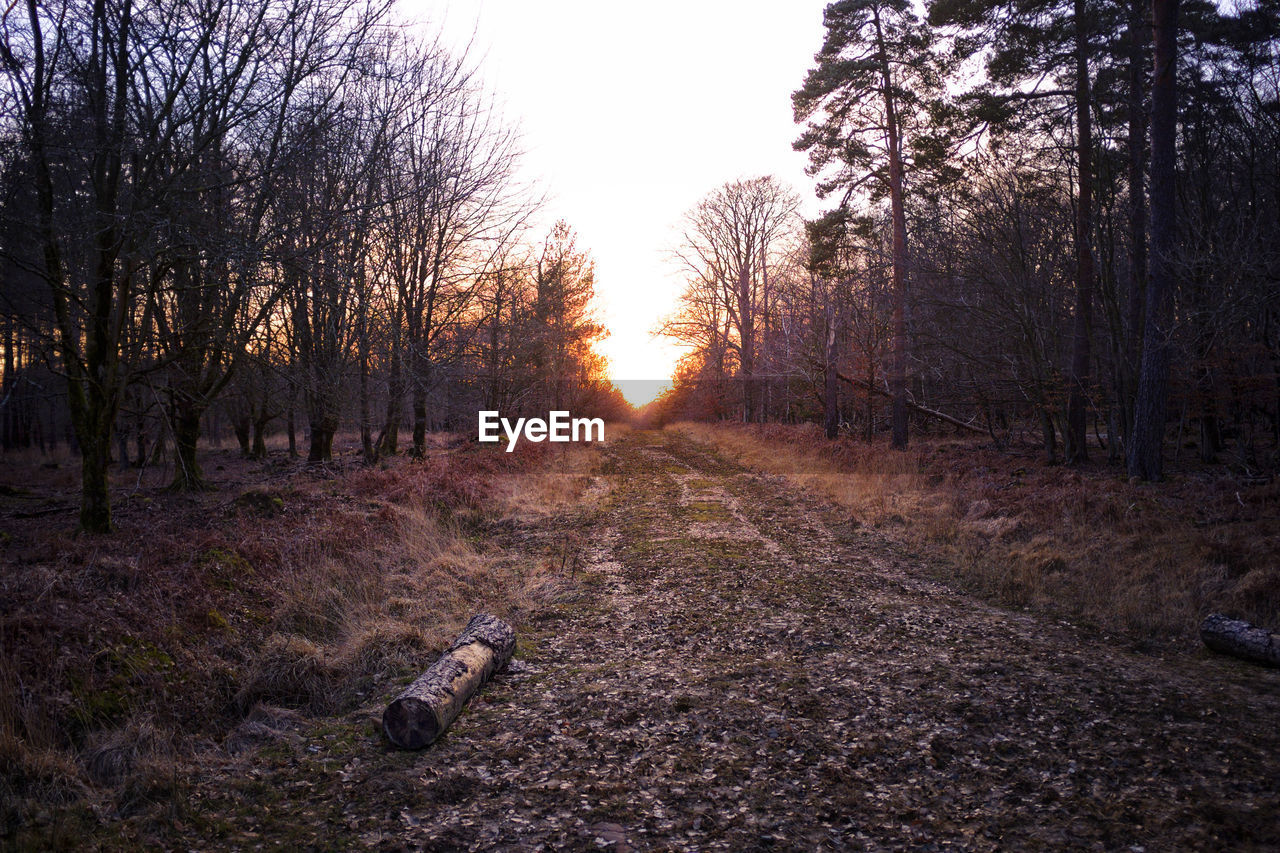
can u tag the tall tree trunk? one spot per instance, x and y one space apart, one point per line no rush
389 443
871 399
494 360
765 340
831 401
898 369
1146 450
8 408
747 333
1137 218
1075 435
898 377
366 419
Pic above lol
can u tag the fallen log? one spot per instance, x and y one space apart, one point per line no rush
1240 639
912 404
425 709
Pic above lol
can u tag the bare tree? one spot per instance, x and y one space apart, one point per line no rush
224 219
730 241
454 207
157 114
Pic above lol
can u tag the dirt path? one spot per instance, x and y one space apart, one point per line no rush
737 669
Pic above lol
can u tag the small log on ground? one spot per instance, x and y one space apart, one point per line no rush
1240 639
425 709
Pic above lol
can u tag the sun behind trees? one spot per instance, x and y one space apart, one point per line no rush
985 265
262 211
737 253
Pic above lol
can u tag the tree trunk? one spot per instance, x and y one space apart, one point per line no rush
1211 443
1074 436
831 402
1049 436
185 420
366 424
140 438
898 369
259 450
159 448
241 427
1145 455
1137 220
7 387
122 449
419 422
427 707
765 338
366 419
747 334
95 499
1240 639
1115 430
871 399
389 438
323 426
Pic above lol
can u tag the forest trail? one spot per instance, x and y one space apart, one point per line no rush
738 668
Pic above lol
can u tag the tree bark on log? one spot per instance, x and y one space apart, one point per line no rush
427 707
1240 639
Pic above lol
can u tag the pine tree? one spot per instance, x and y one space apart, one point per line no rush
1144 456
866 103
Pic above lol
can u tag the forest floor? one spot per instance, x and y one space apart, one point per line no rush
731 664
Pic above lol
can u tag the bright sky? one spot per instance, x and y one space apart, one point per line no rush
632 112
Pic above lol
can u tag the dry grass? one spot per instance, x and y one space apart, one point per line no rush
559 482
291 590
1146 561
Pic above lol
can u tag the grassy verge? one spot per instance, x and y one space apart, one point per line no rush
130 659
1144 561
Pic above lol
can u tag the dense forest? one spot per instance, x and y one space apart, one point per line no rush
1054 222
246 215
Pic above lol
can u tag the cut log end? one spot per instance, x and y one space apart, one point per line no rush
410 723
427 707
1238 638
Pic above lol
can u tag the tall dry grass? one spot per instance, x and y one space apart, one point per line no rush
1147 561
561 481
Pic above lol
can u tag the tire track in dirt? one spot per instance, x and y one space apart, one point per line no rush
737 669
747 677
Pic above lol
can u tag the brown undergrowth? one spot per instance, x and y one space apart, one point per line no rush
1147 561
290 589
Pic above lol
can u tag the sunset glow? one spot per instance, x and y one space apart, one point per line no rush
629 119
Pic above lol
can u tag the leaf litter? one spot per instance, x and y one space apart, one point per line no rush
738 668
